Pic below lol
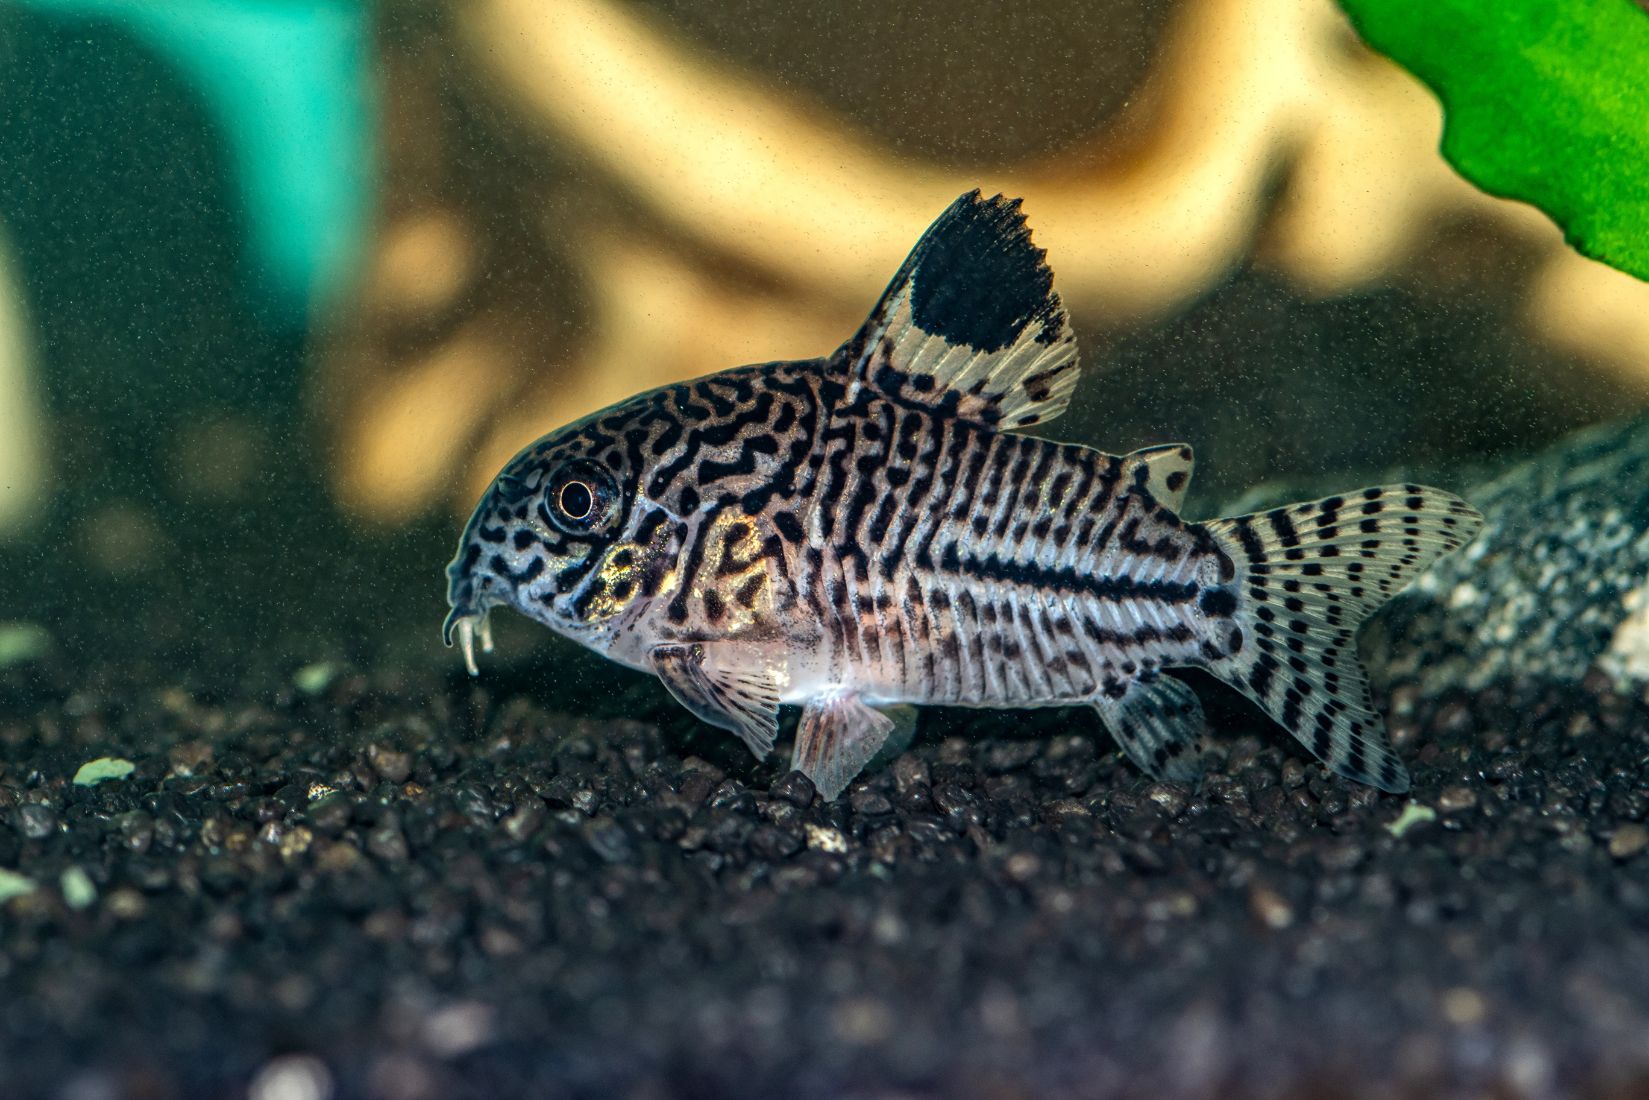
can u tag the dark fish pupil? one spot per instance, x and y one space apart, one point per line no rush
576 500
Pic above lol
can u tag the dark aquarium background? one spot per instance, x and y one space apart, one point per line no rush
282 285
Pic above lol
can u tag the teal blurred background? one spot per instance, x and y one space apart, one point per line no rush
257 107
185 187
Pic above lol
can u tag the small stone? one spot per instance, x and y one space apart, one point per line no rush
390 764
459 1028
190 758
1022 866
291 1077
871 803
823 839
863 1021
1007 756
137 830
795 788
910 771
331 814
773 844
36 820
295 842
951 798
386 841
126 903
1463 1007
1270 908
1170 797
524 822
696 788
732 796
339 857
608 839
727 833
1453 800
916 799
1628 841
500 942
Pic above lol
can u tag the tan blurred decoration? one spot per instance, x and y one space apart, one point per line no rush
670 216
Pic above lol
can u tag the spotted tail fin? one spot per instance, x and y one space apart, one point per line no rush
1305 577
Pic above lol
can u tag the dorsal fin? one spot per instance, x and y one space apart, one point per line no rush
971 326
1165 472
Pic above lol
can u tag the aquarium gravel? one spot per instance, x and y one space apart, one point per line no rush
406 885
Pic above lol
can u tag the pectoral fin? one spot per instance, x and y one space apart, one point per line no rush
725 689
1159 724
836 738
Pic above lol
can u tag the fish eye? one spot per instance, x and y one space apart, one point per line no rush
580 498
576 500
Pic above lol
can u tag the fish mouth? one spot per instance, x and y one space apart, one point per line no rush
468 624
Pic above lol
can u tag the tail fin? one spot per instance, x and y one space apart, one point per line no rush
1306 576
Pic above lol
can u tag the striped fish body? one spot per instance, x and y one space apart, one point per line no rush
981 568
871 529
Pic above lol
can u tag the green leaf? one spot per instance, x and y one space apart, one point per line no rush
21 642
78 889
1546 101
14 885
316 678
1415 813
96 771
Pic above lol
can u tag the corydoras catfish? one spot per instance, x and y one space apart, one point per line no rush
871 529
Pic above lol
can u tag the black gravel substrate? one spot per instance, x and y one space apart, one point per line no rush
409 885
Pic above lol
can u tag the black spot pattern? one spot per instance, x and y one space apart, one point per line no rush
1311 574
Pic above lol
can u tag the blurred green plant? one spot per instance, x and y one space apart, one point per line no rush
1543 101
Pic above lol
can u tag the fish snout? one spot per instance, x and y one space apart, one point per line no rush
466 625
472 600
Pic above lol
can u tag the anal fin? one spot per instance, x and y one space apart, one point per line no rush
728 690
837 736
1159 724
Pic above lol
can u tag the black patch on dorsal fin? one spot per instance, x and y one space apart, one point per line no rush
971 325
977 280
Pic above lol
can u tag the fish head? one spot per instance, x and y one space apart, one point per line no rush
549 539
